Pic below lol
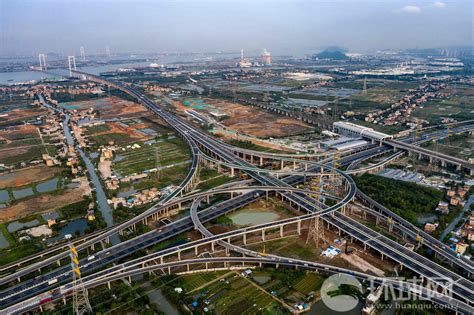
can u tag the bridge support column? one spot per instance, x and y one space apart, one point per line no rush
179 255
92 247
207 268
261 161
298 228
212 246
232 172
382 257
59 262
266 194
161 260
281 230
282 164
64 300
196 250
263 235
294 165
245 239
365 247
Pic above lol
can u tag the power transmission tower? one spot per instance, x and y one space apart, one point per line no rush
316 228
316 231
334 111
448 134
157 163
80 302
72 64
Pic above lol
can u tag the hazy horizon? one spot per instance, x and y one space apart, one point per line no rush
282 26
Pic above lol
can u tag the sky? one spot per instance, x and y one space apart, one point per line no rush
281 26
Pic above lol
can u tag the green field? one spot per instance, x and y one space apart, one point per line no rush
158 155
90 130
380 94
458 106
105 139
461 146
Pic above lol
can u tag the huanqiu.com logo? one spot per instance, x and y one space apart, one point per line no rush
343 292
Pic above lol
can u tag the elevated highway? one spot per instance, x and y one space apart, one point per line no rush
196 139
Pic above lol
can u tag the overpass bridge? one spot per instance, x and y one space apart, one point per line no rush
372 238
433 156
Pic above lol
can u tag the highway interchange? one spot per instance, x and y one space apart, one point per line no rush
24 296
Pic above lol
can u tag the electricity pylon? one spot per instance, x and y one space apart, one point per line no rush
80 301
316 231
316 228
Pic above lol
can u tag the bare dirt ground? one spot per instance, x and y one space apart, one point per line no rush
26 176
105 168
22 114
19 132
253 121
257 122
45 203
111 107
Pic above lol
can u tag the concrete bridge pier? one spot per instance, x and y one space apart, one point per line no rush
245 239
263 235
298 227
281 230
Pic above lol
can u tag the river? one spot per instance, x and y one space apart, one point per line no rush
104 207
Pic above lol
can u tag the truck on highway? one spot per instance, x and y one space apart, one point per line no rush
50 282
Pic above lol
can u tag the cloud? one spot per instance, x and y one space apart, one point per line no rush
411 9
439 5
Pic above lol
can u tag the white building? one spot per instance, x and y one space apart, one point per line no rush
355 131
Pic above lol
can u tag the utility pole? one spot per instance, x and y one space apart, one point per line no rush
80 303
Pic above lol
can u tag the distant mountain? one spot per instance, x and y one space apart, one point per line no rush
331 54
